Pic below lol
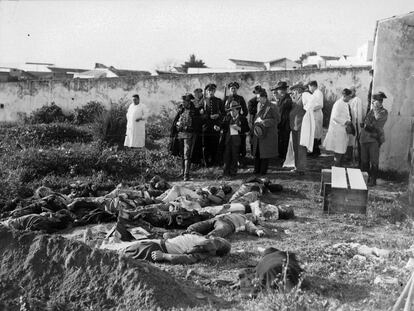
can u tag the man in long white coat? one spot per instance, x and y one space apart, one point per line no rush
317 97
136 118
358 112
336 139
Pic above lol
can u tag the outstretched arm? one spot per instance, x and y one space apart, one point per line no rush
177 258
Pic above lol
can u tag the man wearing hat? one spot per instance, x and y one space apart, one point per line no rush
253 103
284 106
372 136
264 134
295 120
233 87
336 139
234 127
212 113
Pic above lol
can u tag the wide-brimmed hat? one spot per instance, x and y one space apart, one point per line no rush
258 130
379 96
234 105
281 85
257 89
298 86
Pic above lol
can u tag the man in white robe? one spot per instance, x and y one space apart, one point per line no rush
358 112
317 97
136 118
336 139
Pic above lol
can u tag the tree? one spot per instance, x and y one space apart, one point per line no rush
193 62
304 55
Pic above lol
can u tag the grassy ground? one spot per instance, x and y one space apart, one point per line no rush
335 278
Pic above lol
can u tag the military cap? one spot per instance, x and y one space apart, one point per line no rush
234 84
210 86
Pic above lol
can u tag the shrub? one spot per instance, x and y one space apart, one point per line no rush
40 135
88 113
47 114
110 126
158 126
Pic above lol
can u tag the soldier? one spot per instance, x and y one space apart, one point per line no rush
372 136
284 105
211 113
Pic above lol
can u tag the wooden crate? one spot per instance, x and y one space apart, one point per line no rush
344 190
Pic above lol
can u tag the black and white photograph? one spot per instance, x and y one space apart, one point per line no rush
206 155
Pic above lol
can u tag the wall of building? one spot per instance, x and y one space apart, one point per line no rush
158 91
394 75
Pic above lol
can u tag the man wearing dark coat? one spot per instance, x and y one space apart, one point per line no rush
284 105
211 114
265 134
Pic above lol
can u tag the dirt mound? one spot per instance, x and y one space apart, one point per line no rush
46 272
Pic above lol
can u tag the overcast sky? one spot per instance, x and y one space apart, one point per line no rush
144 34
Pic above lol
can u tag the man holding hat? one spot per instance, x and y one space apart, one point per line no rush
212 114
372 136
284 106
336 139
233 87
235 127
264 134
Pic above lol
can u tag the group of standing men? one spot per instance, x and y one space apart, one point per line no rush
213 132
208 131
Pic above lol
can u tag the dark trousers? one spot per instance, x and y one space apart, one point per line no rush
242 146
316 143
212 227
231 154
300 151
197 149
210 148
283 142
370 153
260 165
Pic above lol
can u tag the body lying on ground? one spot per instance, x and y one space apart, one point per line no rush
183 249
225 225
276 270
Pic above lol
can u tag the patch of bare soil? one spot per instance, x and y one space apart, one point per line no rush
44 272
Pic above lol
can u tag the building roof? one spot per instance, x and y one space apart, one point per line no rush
277 60
241 62
329 57
129 73
65 70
